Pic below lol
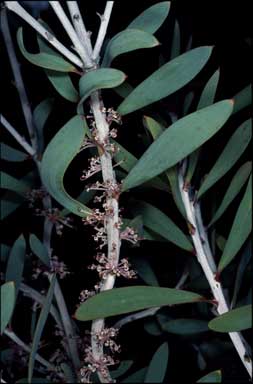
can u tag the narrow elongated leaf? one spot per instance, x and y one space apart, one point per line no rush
58 155
235 320
188 102
11 154
186 134
15 264
40 327
10 201
136 377
234 188
39 249
44 60
166 80
145 271
158 366
4 252
176 42
229 156
129 299
185 326
84 198
13 184
243 98
40 116
152 18
212 377
123 90
7 303
99 79
192 164
127 41
208 94
240 230
161 224
125 365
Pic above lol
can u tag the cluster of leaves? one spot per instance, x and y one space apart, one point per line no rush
170 142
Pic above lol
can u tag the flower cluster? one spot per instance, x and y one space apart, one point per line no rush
130 234
106 267
53 214
111 189
94 167
85 294
36 195
112 115
105 338
56 266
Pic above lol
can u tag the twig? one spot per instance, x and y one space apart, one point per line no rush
80 48
102 30
79 25
15 7
29 149
222 306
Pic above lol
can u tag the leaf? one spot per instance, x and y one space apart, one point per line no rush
234 188
233 150
188 102
243 98
11 154
158 222
10 201
40 116
240 230
99 79
212 377
136 377
4 252
192 164
7 303
123 90
44 60
58 155
40 327
166 80
35 380
124 366
152 18
145 271
158 366
208 94
15 264
84 198
176 42
236 320
186 135
39 249
129 299
13 184
185 326
127 41
152 327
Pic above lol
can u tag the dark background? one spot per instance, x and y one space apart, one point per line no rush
229 29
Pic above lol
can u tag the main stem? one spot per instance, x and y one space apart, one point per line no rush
204 256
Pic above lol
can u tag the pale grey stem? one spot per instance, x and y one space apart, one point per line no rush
15 7
29 149
79 25
80 48
15 66
217 290
27 349
102 30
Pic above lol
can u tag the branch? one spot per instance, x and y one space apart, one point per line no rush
204 260
15 7
81 49
81 31
21 140
102 30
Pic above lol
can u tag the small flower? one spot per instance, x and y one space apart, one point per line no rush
106 267
94 167
58 267
36 195
104 338
130 234
92 365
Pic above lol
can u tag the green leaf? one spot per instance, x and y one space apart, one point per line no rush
152 18
10 201
124 366
186 135
127 41
84 198
158 366
39 249
161 224
185 326
123 90
44 60
243 98
152 327
188 102
208 94
212 377
136 377
15 264
232 152
7 303
4 252
129 299
234 188
40 327
58 155
13 184
236 320
99 79
11 154
166 80
176 42
240 230
40 116
145 271
192 164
